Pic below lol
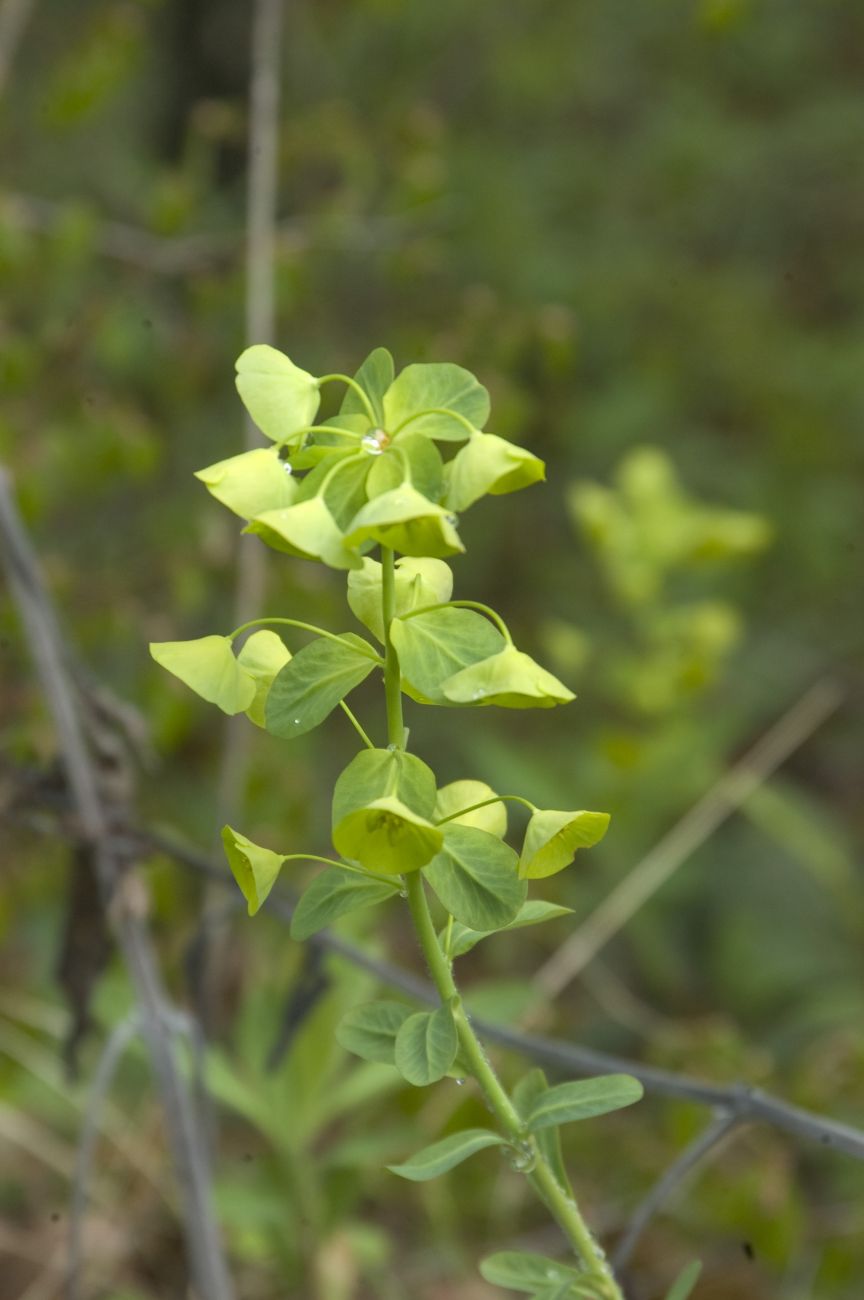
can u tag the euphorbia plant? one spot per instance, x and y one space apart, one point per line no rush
334 490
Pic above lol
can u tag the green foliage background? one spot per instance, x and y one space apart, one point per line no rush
638 225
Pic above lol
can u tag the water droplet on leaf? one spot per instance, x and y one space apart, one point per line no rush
375 441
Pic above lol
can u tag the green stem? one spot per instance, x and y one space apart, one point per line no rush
392 676
464 604
540 1173
304 627
484 803
355 723
352 383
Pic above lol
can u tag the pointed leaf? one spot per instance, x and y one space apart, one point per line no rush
332 894
583 1100
209 667
510 679
526 1093
426 1046
306 529
255 869
532 912
462 794
382 804
418 582
524 1271
553 838
446 1154
309 687
490 464
433 646
682 1287
369 1031
252 482
281 398
426 388
263 656
374 376
406 521
474 876
412 458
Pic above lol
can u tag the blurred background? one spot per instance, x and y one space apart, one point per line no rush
641 227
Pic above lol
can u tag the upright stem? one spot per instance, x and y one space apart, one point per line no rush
538 1170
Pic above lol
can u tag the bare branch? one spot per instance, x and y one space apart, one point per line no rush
125 906
695 1152
694 828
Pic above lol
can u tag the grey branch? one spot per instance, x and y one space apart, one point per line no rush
206 1258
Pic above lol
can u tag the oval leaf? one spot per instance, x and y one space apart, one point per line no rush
308 530
312 684
463 794
446 1154
553 838
583 1100
369 1031
428 388
332 894
426 1046
523 1271
474 876
433 646
255 869
532 912
209 667
281 398
374 376
382 803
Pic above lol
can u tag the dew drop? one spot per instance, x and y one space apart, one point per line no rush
296 722
451 519
460 1083
286 465
476 695
375 441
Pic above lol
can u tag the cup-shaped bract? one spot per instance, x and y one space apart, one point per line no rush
254 868
307 529
208 666
251 483
553 838
407 522
281 398
383 804
510 679
263 656
418 582
489 464
452 798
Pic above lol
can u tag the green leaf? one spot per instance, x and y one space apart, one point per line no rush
406 521
526 1093
374 376
462 794
446 1154
255 869
426 1046
307 529
263 656
251 483
281 398
433 647
312 684
382 805
490 464
418 582
686 1280
532 912
583 1100
369 1031
523 1271
332 894
474 876
420 388
340 482
553 838
413 459
510 679
209 667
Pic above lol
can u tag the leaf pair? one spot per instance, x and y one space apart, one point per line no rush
235 684
422 1045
